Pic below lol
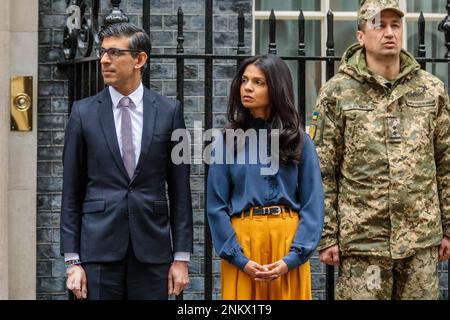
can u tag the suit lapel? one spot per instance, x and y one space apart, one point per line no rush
149 118
106 116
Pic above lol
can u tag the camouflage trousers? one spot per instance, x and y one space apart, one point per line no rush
378 278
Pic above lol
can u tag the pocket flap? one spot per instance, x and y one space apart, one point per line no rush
162 136
94 206
421 103
160 207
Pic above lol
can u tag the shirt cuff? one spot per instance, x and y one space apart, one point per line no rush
447 230
327 242
239 260
182 256
71 256
292 259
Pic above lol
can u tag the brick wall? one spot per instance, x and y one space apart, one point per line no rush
52 115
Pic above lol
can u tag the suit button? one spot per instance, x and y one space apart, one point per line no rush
131 190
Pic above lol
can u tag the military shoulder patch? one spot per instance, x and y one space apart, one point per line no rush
312 131
313 127
315 116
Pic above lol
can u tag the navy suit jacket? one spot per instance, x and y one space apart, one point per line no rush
102 208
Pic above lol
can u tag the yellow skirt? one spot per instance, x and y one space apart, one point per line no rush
266 239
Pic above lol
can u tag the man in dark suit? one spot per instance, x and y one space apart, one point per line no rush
118 236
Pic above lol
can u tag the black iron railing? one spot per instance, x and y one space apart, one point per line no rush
83 69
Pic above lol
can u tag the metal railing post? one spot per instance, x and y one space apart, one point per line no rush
421 52
330 73
301 69
208 125
272 33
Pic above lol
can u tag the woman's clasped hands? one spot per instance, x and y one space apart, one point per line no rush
267 272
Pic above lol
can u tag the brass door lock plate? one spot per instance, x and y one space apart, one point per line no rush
21 103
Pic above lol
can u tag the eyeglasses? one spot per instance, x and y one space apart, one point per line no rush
113 52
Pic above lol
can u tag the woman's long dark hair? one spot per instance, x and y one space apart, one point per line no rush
283 113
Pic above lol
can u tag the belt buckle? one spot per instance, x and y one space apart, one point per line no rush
277 213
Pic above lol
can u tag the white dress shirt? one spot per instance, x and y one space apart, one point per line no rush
137 122
137 117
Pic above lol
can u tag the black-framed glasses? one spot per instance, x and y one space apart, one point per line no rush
113 52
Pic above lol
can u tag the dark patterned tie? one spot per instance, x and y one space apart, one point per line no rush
128 155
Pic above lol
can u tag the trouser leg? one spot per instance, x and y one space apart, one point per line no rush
105 281
417 277
146 281
364 278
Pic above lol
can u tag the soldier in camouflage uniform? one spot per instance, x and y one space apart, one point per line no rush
382 131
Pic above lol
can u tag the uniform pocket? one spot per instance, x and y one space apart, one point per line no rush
419 118
359 121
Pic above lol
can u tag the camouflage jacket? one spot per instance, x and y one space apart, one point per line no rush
384 149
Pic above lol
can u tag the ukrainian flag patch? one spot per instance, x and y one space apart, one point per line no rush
315 116
313 126
312 131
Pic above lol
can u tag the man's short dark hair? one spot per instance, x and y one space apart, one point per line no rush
139 39
361 24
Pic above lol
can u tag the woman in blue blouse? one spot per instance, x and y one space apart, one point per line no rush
265 227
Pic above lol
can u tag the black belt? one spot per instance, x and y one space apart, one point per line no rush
270 210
